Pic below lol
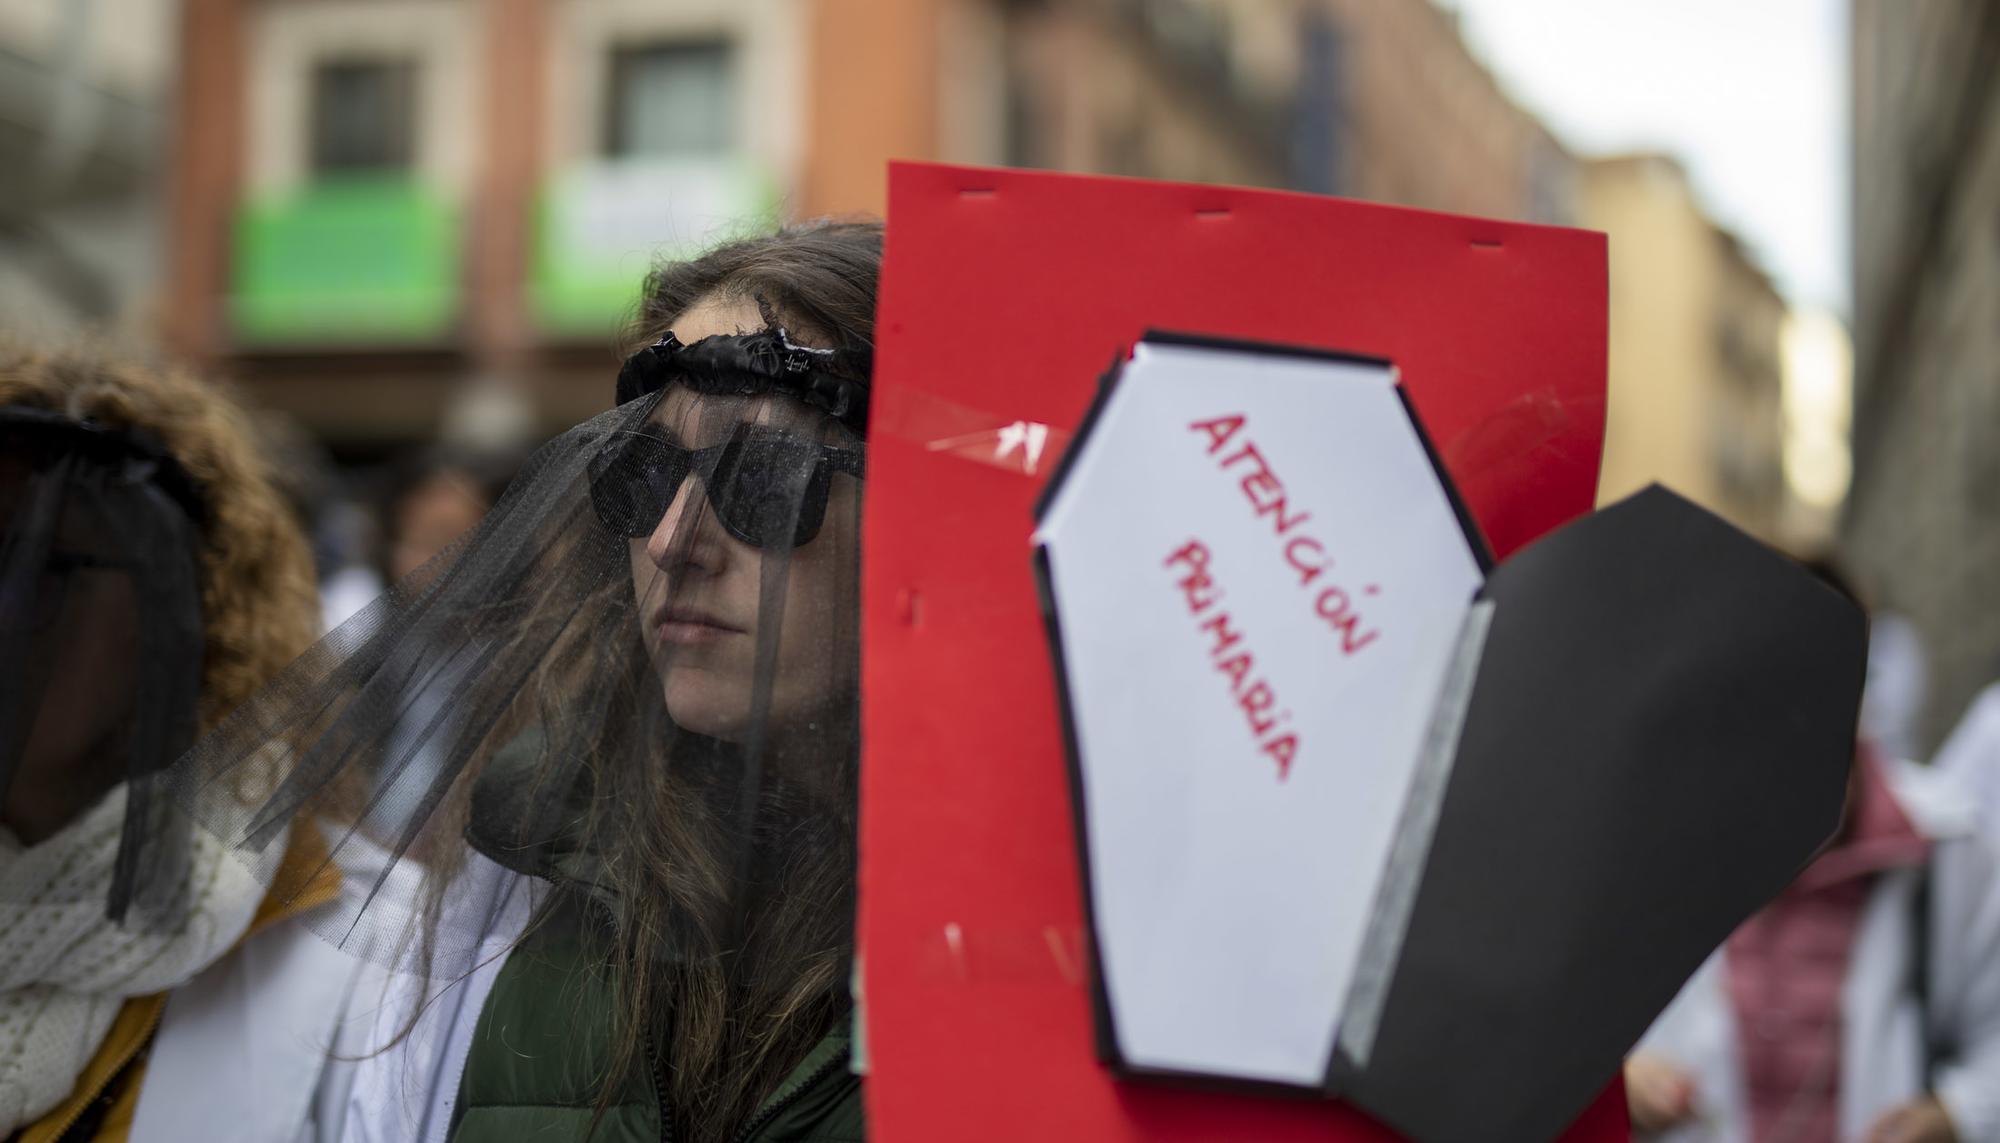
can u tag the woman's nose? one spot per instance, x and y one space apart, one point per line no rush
681 539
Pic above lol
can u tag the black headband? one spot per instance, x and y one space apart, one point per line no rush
135 452
834 381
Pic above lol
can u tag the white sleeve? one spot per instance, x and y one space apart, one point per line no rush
1697 1033
1966 958
407 1033
242 1047
400 1076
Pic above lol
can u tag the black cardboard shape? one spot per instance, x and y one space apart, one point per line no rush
1645 734
1657 740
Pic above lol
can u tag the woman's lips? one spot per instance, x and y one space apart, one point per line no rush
690 633
687 627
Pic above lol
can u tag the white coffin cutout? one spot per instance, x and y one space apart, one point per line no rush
1257 575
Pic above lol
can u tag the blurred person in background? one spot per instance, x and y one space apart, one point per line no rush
428 500
1971 753
1863 1004
151 578
433 497
342 532
344 545
1898 684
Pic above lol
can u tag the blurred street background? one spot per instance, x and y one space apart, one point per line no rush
410 231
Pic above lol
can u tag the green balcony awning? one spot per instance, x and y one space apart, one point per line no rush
365 260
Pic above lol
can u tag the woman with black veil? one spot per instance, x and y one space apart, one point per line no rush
151 578
629 829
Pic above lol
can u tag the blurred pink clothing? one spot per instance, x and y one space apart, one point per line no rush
1787 965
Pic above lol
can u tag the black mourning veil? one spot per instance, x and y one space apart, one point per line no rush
629 696
100 650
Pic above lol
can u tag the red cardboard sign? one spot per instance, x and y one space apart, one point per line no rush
1005 294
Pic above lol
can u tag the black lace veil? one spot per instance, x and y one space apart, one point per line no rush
633 685
100 648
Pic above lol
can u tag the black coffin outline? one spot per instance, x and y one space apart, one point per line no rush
1104 1020
1659 749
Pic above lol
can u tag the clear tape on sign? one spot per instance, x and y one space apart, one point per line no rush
1017 444
1046 954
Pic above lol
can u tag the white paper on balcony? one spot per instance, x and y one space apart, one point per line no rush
638 209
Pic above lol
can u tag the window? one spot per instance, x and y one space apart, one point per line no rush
670 99
363 115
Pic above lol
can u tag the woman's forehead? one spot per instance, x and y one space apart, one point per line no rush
717 314
698 417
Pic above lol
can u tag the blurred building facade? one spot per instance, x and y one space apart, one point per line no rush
395 216
81 124
1373 99
395 219
1923 519
1697 383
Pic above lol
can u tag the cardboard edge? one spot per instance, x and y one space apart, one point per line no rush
1350 1069
939 177
1261 348
1107 385
1103 1027
1482 553
1235 1085
1409 856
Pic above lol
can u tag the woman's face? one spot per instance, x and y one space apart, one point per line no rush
83 646
700 588
430 517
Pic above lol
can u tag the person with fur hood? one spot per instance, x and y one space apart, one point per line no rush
151 578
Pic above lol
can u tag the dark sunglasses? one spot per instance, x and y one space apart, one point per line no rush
753 481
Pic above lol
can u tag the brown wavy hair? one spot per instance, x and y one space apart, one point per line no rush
258 598
738 1010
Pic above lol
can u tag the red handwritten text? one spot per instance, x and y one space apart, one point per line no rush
1304 554
1232 657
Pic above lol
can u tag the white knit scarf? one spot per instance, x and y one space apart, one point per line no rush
66 969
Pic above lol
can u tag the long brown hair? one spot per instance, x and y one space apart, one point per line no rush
731 1007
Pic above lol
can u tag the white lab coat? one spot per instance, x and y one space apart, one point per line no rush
292 1040
1972 753
1882 1057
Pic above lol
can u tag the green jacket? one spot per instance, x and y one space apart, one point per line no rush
544 1040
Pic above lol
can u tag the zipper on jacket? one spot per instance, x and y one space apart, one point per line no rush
655 1063
771 1109
654 1067
89 1119
144 1041
458 1085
